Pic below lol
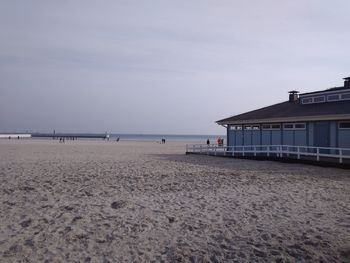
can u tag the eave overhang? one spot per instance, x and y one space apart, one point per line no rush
289 119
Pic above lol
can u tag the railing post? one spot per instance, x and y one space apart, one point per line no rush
254 150
268 151
340 156
280 150
298 152
225 151
233 151
215 150
243 153
318 154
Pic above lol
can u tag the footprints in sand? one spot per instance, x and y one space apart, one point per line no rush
26 223
118 204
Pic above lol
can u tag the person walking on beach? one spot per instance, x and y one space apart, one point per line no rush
208 142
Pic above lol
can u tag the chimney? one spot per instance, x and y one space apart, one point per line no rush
293 95
347 82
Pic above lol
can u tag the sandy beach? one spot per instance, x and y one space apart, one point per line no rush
95 201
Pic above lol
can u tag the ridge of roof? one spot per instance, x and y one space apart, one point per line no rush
326 90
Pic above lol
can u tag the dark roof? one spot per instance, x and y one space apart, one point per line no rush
291 109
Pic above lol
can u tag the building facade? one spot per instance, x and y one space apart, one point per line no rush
320 119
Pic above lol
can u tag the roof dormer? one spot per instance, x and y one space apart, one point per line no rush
328 95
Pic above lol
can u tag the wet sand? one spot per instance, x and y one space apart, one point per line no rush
94 201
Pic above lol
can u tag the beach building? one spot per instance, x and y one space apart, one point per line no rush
313 126
320 119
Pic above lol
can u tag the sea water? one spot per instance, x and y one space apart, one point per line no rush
167 137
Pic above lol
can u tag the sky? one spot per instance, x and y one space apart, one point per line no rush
159 66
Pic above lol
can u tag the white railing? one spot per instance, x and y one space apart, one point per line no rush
280 151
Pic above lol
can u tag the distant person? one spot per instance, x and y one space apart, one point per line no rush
117 140
220 141
208 142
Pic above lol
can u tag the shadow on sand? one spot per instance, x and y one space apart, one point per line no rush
221 162
252 165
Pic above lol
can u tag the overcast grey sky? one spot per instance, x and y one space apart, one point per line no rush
162 66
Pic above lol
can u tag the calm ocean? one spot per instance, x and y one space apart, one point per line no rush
159 137
134 137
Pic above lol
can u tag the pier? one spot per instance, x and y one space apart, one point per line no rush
15 135
103 136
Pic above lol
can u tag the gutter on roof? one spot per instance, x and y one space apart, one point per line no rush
289 119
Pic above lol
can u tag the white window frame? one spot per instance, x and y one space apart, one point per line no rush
263 128
341 96
235 127
307 98
323 97
252 127
286 129
337 99
276 129
294 126
343 128
270 127
302 123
